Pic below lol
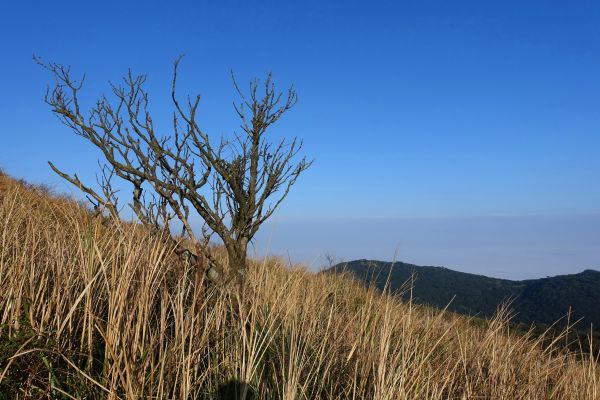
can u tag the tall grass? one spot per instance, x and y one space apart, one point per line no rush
89 310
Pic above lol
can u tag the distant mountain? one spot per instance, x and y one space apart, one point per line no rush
544 300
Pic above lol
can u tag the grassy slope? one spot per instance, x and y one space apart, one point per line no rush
106 312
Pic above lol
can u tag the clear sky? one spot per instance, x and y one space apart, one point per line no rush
455 133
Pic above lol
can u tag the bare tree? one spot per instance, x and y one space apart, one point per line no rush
234 185
330 260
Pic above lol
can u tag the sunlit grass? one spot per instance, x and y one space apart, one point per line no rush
98 311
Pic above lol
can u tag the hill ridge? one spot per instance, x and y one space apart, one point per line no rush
542 300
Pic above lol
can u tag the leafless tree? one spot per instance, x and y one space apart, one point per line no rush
330 260
234 185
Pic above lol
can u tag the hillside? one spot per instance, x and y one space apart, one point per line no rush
545 300
95 310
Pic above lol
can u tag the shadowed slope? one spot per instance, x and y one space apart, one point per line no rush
545 300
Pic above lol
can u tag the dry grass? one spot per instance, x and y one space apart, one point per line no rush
89 311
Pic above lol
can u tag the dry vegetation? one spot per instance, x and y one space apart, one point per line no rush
91 311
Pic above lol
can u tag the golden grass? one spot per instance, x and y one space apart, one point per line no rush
91 311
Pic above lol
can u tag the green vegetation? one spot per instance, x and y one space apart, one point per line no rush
557 301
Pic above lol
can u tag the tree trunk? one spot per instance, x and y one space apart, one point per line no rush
236 253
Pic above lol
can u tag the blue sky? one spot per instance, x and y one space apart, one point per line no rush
417 114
